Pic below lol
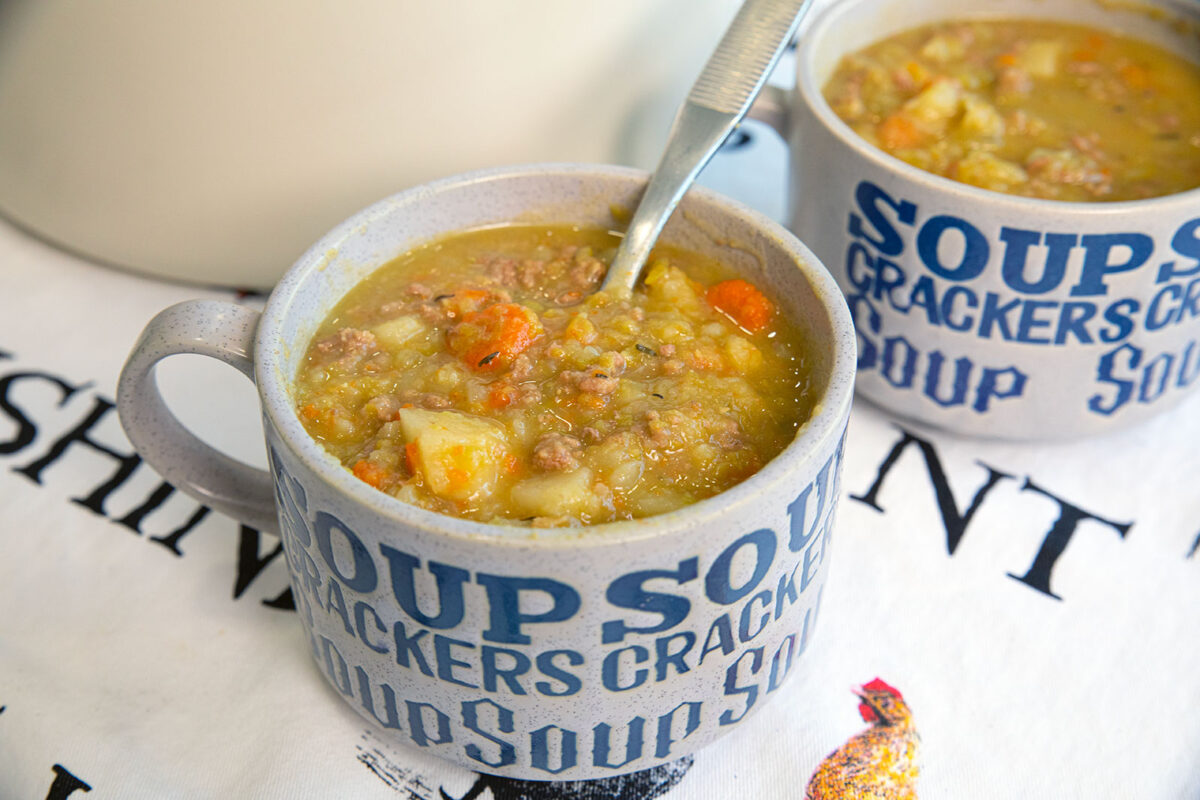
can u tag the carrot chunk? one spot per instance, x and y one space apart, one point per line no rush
1135 76
500 395
743 303
898 132
372 474
488 339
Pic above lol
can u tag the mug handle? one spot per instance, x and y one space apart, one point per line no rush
223 331
771 107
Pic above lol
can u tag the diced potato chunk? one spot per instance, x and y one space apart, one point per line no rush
557 493
937 103
980 118
1040 58
460 457
988 171
581 329
944 48
743 355
619 460
668 284
448 376
674 331
626 476
395 333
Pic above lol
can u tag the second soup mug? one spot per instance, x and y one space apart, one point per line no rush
563 654
965 318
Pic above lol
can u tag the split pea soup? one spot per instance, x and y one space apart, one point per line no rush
1029 107
483 376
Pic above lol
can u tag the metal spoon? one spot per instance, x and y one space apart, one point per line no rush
732 78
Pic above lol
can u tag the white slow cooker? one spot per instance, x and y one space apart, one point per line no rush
212 142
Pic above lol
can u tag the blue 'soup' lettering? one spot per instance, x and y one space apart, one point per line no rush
413 616
954 252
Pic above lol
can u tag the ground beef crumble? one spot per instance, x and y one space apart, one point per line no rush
556 451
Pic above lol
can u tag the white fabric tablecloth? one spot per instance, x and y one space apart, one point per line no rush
1038 605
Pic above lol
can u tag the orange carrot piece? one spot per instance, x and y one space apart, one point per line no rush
743 303
1006 60
1135 76
898 132
310 411
500 395
488 339
410 457
372 474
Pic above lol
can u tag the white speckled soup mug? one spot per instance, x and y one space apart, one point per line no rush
984 313
558 654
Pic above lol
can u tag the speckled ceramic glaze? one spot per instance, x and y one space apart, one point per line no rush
554 655
984 313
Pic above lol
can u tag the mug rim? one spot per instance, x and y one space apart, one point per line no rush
814 99
812 436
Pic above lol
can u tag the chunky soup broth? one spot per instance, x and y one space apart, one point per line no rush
1029 107
482 376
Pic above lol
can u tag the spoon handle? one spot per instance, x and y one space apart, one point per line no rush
732 78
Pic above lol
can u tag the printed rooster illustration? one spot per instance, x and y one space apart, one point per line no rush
878 764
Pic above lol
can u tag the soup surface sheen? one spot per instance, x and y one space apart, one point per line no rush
1029 107
480 376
